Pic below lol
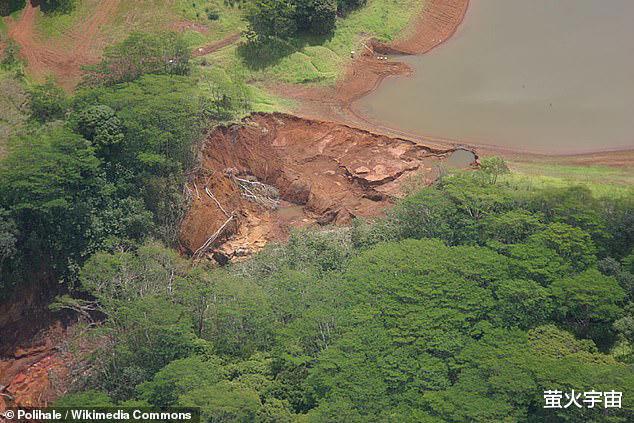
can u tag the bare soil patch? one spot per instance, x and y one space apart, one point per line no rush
323 172
215 46
64 56
35 374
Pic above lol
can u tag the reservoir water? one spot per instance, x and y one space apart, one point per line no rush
552 76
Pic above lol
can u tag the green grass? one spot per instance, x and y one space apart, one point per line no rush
603 181
13 109
152 15
149 15
56 24
215 79
322 60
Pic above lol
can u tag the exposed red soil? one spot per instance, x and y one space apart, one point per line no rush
325 173
215 46
35 375
64 56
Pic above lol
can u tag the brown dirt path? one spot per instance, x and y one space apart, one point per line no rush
217 45
62 57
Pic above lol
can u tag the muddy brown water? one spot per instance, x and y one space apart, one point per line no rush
540 75
460 159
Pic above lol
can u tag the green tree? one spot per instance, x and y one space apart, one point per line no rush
148 333
512 227
588 303
558 359
181 376
238 318
573 205
100 125
272 18
474 195
534 261
51 184
572 244
121 277
619 223
427 214
336 410
160 118
493 383
86 399
223 402
119 223
57 6
494 167
8 236
316 17
628 262
523 303
346 6
48 102
9 6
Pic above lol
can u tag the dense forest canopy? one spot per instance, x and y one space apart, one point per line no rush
466 303
103 169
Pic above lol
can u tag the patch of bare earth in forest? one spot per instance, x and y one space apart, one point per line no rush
274 172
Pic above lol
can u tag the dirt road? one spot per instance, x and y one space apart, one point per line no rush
62 57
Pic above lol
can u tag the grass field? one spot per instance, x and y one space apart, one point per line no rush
317 59
151 15
311 60
603 181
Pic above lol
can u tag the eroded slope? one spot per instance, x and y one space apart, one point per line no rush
276 171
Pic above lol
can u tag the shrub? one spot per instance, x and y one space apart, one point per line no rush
10 54
57 6
9 6
139 54
48 102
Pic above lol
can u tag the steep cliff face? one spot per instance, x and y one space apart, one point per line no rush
312 172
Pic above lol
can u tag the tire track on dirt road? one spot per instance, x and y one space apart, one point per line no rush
64 56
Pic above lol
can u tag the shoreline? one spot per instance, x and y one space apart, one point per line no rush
436 24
